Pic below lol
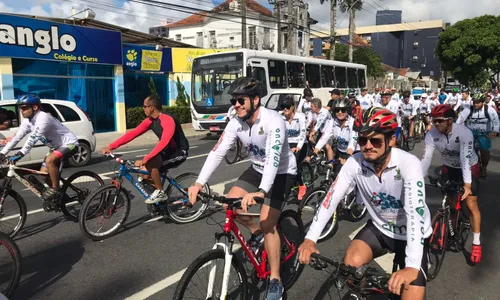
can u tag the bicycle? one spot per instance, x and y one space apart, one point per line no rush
348 282
347 207
403 141
10 262
67 203
112 197
240 153
450 225
290 268
420 129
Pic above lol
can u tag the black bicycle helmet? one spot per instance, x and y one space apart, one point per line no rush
341 103
245 86
308 93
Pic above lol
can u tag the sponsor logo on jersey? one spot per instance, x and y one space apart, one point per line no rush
326 201
457 140
385 201
392 227
398 174
261 130
293 132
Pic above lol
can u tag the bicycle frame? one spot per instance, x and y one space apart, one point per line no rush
230 227
13 173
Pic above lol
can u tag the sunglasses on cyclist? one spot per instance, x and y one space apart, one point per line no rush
340 110
439 121
24 107
376 142
285 106
241 101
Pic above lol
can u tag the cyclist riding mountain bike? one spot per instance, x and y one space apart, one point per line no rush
490 102
391 185
388 102
408 109
335 95
322 128
343 131
296 133
460 163
424 107
365 100
454 99
466 100
271 176
483 121
171 150
305 106
42 126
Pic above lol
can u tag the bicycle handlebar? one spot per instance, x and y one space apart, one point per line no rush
120 160
232 202
320 262
450 186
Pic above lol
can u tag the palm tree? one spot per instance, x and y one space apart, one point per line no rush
333 5
351 6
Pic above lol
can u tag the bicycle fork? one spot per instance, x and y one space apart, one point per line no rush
228 257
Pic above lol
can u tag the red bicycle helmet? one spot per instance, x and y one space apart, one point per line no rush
443 110
376 119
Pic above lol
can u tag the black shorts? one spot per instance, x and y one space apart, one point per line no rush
380 244
455 174
63 152
301 155
172 158
250 182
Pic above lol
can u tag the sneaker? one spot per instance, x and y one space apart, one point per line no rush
302 191
275 290
50 194
156 196
482 173
477 253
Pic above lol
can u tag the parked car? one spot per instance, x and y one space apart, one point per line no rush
70 114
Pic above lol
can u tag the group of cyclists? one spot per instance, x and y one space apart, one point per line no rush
358 131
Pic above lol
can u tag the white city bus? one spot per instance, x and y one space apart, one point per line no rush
280 73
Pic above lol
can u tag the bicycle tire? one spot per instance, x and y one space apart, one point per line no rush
324 290
15 253
85 215
237 151
306 173
177 219
70 215
439 229
356 217
23 214
243 153
200 262
295 267
328 231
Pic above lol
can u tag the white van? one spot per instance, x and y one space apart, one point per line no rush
70 115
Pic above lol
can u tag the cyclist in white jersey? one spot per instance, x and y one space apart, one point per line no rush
388 102
42 126
424 107
296 133
466 100
343 131
455 143
483 121
305 107
408 110
365 100
490 102
322 130
454 99
391 185
377 98
263 132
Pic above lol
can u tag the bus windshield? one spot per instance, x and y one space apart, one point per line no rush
212 77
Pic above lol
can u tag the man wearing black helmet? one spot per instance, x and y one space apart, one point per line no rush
263 132
335 95
393 191
305 106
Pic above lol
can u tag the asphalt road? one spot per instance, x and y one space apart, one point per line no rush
146 259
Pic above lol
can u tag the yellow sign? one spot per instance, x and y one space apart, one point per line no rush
151 60
182 58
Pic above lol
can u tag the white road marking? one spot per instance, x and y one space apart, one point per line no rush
165 283
196 156
242 161
384 261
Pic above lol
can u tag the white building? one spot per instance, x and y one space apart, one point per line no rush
220 28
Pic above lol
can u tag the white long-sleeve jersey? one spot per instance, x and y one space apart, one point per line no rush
477 121
42 127
454 100
296 129
395 201
266 143
456 148
346 137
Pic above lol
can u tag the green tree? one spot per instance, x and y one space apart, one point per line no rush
182 96
470 47
367 56
152 86
341 52
351 6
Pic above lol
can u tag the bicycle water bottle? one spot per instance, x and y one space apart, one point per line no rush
144 186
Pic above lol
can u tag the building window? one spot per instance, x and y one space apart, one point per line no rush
414 58
267 36
178 37
313 75
296 78
327 78
231 38
277 74
352 78
252 38
212 39
199 39
341 77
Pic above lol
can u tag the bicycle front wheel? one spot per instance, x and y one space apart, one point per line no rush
291 232
437 245
307 210
10 262
332 288
13 213
75 190
178 197
203 279
233 154
104 212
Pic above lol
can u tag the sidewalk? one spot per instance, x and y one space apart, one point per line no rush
104 139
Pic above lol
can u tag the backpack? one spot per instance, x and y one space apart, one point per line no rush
485 107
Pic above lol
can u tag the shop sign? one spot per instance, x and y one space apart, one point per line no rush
22 37
182 58
146 58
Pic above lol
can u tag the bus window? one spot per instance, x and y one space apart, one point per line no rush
361 78
352 78
340 77
259 73
313 75
327 78
295 75
277 74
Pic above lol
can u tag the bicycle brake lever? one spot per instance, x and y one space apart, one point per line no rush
317 264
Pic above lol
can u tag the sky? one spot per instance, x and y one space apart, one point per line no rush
139 16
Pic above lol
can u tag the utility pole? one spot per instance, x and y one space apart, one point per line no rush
333 9
243 23
352 29
290 48
277 9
